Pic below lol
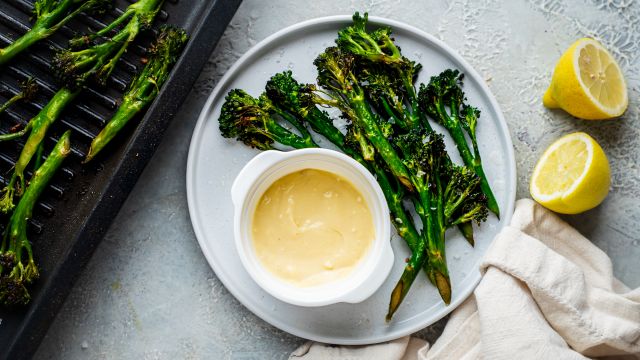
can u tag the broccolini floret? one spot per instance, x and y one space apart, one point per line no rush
74 67
28 91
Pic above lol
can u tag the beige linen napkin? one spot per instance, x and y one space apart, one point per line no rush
547 293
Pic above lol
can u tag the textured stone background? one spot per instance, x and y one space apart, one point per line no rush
148 291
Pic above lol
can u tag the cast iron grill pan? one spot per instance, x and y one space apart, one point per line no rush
78 206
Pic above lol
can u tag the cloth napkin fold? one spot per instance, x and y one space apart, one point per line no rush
547 293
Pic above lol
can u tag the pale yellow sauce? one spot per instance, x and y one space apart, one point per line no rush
312 227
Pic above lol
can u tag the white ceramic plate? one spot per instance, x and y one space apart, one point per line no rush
214 162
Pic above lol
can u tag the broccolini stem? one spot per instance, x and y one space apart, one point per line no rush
416 112
297 124
144 87
456 132
439 274
104 31
41 122
285 137
38 160
125 112
10 102
15 135
403 285
47 23
387 109
17 227
367 121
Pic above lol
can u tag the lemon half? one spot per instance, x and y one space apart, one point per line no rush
588 83
572 175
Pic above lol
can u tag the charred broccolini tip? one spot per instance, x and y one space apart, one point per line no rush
302 100
443 99
335 73
74 67
377 47
28 91
163 53
51 15
17 266
255 123
386 93
464 200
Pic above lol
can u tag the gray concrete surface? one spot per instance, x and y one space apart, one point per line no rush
148 292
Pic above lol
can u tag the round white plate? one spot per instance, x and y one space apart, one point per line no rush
214 162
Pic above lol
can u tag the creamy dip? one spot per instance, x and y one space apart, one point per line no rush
312 227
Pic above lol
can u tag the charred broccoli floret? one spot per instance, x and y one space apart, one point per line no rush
74 67
255 122
28 91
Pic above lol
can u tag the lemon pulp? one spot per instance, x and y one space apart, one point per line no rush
567 164
601 76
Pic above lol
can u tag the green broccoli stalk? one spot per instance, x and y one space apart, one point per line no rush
28 91
51 15
144 87
17 267
445 90
74 67
423 153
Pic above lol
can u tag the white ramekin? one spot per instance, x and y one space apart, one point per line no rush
256 177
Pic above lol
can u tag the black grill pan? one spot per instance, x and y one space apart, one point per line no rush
76 210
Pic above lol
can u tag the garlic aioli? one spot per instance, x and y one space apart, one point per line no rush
312 227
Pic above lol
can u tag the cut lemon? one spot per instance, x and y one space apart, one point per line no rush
587 83
572 175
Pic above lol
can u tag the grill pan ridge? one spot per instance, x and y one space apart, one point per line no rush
78 206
